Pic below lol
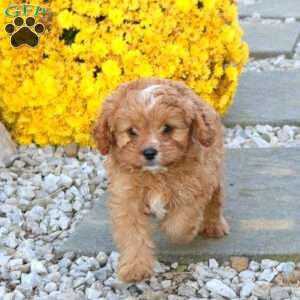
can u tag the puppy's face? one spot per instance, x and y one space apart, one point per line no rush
147 127
151 129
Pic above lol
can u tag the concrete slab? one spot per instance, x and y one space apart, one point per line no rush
267 40
272 8
262 207
266 98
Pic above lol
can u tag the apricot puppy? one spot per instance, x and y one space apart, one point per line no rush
164 149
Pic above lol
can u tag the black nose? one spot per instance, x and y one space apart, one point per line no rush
150 153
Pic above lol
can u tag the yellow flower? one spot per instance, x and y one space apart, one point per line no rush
184 5
231 73
24 139
116 16
118 46
132 4
145 70
228 34
99 48
65 19
87 86
111 68
210 4
74 121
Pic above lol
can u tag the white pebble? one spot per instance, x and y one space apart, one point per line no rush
30 281
212 263
218 287
268 263
247 275
268 275
50 287
92 293
51 183
286 268
38 267
254 266
102 258
247 288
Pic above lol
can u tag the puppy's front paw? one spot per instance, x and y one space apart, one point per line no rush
135 271
216 230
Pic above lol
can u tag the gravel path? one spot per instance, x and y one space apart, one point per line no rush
44 193
262 136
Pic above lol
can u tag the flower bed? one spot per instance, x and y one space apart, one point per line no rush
50 94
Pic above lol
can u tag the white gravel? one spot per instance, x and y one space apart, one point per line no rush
279 63
44 193
262 136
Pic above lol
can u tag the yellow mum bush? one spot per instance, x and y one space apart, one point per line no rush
50 94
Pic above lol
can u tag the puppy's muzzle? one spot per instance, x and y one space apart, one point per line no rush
150 154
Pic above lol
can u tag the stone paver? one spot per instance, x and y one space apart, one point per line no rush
267 40
7 146
262 207
266 98
272 8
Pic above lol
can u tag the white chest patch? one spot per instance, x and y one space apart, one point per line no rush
148 94
157 208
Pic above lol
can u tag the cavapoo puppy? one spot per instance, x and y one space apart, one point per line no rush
164 149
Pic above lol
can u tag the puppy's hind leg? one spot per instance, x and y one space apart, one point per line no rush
215 225
181 224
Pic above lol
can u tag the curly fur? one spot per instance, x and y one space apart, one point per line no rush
184 187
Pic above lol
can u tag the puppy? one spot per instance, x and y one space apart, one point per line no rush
164 148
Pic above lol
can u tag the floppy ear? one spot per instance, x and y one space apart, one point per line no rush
204 123
205 120
102 132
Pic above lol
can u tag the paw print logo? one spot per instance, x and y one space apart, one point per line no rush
24 33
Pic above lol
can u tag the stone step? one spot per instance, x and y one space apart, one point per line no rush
7 146
266 98
266 40
272 8
262 207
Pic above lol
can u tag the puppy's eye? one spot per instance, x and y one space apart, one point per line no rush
132 132
167 129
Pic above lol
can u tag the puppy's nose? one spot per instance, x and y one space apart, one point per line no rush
150 153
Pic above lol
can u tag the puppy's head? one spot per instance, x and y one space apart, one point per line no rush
150 124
